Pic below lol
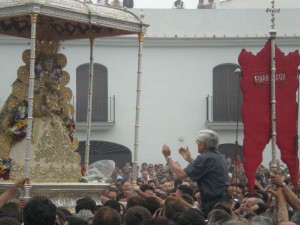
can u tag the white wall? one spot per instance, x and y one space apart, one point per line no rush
177 74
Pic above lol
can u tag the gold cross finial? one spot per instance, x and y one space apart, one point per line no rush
273 10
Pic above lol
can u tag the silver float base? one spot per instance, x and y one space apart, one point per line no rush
61 194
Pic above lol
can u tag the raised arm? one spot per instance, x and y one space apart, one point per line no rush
8 194
174 166
290 196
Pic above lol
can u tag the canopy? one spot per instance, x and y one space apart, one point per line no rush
67 19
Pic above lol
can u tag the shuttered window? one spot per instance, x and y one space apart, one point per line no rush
100 93
227 98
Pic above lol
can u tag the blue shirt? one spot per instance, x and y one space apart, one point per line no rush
210 172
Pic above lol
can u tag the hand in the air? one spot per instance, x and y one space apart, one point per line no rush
166 151
185 152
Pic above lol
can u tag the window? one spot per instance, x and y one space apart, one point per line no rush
100 95
227 97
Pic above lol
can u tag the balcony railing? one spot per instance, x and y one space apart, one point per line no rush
103 111
223 112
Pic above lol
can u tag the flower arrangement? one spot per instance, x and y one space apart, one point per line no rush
5 165
17 126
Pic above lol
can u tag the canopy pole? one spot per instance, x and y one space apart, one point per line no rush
33 17
137 109
90 104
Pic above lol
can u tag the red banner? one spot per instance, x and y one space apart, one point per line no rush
256 108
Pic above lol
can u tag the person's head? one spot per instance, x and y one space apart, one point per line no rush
252 204
144 166
126 170
207 139
113 204
189 217
184 189
238 191
85 203
136 214
262 220
150 166
161 167
236 222
9 221
152 204
168 186
172 207
11 206
112 194
148 189
145 174
11 214
49 62
39 211
152 183
107 216
157 221
65 211
296 217
135 201
126 186
218 216
86 215
74 220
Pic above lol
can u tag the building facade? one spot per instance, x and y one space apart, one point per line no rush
188 80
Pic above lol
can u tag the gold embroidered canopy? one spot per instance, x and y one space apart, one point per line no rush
68 19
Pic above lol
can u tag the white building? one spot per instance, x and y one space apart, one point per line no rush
181 50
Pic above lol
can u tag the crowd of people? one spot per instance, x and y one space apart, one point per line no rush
211 190
178 4
116 3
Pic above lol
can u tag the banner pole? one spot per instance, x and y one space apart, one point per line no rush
272 33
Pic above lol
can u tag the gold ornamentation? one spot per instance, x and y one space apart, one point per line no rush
19 90
5 122
26 56
53 103
75 144
65 78
23 74
68 109
61 60
67 94
5 141
52 158
12 103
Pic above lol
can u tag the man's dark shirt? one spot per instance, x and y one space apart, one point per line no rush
210 172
